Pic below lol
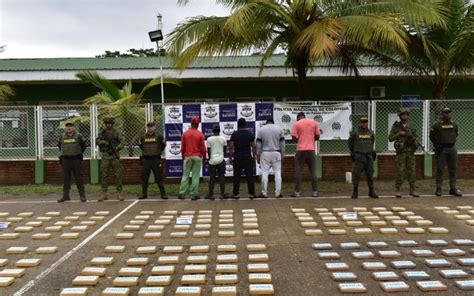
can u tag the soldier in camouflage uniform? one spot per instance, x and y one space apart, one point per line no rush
72 146
404 136
110 144
361 144
443 134
152 145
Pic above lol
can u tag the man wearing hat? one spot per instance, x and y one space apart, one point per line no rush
110 144
404 136
152 145
216 146
443 134
72 146
361 144
193 151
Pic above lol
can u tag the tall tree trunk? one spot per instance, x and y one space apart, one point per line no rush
440 90
301 68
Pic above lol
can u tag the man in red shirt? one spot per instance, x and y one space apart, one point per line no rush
193 151
305 132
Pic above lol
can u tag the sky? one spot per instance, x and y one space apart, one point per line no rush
86 28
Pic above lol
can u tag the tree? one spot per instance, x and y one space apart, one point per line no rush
307 31
439 54
132 52
119 103
6 92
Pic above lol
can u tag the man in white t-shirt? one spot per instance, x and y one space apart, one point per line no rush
216 146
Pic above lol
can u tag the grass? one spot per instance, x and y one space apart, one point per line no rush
329 188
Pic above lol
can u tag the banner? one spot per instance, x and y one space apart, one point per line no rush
178 120
334 120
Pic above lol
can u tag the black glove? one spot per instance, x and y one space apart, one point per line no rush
374 155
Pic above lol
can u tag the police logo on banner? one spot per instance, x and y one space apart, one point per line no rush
210 113
173 114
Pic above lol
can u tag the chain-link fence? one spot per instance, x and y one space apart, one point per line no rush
18 132
54 119
32 132
386 115
130 121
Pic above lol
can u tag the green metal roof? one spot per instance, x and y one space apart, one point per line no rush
65 64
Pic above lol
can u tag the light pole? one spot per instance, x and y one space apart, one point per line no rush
157 36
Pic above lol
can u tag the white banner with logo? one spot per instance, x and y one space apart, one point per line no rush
334 120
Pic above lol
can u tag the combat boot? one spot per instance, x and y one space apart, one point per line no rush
163 192
144 193
398 193
63 199
120 196
103 196
82 198
455 192
413 192
439 192
355 192
372 193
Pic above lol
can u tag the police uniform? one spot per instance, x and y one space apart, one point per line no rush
444 134
152 146
72 147
361 145
405 154
110 144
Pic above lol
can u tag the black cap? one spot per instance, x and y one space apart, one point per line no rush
69 124
151 123
109 120
364 119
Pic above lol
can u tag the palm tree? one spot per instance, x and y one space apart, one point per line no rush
308 31
120 103
6 92
439 54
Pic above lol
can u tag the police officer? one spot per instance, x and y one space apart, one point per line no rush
443 134
152 145
361 145
72 146
110 144
404 136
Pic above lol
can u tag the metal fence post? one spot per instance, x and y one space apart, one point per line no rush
427 157
94 162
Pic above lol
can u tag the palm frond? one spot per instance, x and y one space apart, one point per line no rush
6 92
100 82
155 82
99 98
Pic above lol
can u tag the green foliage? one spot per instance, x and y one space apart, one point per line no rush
133 53
307 31
6 92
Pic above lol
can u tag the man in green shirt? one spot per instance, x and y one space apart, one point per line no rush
404 136
110 143
444 134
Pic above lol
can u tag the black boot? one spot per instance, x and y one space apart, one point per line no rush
372 193
144 193
455 192
63 199
83 198
355 192
439 192
163 192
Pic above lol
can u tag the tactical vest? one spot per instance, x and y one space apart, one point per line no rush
70 145
151 145
446 133
108 135
363 141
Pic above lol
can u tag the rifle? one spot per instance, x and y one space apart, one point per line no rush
411 137
112 147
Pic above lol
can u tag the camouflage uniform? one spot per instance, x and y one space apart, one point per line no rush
405 158
107 140
444 134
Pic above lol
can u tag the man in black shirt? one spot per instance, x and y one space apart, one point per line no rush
242 155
